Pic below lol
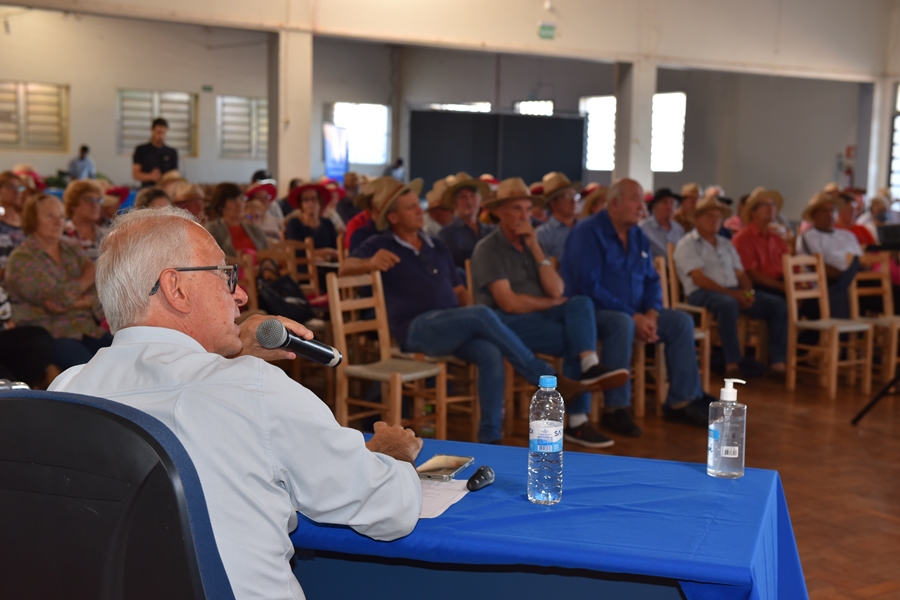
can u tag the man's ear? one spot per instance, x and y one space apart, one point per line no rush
172 286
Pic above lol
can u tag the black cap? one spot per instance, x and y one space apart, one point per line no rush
660 194
260 175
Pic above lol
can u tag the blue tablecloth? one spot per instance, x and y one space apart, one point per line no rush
721 539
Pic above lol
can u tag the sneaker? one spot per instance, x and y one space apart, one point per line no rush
586 435
619 421
600 378
569 389
695 412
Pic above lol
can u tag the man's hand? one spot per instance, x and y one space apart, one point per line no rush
645 328
154 175
252 348
744 297
383 260
396 442
525 230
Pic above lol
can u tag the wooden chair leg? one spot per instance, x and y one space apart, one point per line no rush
867 362
705 350
889 358
830 364
638 371
341 392
394 400
855 342
790 379
662 381
440 404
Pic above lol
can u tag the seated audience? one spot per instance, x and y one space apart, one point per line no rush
712 276
152 197
428 305
848 212
759 246
12 198
561 196
660 227
608 258
512 275
51 283
437 216
593 199
346 208
265 191
26 353
232 232
834 245
463 195
879 213
189 196
690 195
109 208
364 222
264 447
735 224
82 200
306 222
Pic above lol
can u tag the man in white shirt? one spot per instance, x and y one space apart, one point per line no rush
834 245
264 446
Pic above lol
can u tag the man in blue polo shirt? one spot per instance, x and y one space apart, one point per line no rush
608 258
463 195
429 307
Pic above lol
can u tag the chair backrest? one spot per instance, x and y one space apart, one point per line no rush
349 312
674 284
469 277
874 267
804 277
247 280
659 263
341 250
304 254
282 256
100 501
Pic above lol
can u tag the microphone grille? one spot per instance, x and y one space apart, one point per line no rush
271 334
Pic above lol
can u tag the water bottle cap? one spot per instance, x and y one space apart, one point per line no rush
547 381
728 393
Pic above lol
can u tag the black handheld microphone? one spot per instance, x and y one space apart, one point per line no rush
272 334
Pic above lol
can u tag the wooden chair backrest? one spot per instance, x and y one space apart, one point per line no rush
469 277
674 283
341 250
659 263
304 256
874 267
247 281
283 257
804 277
347 306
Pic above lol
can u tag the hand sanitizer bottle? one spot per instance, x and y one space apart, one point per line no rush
727 428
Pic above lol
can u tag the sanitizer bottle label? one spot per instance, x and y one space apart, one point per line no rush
544 436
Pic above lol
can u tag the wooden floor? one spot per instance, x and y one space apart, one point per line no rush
842 482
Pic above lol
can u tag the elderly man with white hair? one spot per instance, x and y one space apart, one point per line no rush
264 446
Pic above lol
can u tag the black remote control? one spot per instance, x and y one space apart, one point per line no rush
483 477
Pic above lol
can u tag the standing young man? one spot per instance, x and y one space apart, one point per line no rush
154 159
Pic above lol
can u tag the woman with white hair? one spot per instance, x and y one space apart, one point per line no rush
879 213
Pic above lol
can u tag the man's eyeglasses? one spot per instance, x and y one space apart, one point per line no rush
230 270
18 188
93 199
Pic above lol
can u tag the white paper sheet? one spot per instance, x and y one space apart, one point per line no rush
438 496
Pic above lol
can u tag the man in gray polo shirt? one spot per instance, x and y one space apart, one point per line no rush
712 275
511 274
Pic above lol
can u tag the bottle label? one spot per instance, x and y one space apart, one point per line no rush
730 451
714 434
545 436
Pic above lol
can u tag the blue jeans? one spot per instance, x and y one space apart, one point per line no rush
726 309
566 330
476 335
615 330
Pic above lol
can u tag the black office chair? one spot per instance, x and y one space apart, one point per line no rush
99 500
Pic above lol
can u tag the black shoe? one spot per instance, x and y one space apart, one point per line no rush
602 378
620 422
586 435
750 368
695 412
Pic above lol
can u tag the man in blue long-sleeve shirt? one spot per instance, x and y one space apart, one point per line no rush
608 258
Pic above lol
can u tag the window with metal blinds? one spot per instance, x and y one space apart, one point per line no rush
138 108
34 116
243 125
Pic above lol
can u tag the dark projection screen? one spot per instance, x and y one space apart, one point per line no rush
444 142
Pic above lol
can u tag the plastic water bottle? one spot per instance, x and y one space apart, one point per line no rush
727 429
545 440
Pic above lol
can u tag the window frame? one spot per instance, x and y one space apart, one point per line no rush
125 144
21 117
258 113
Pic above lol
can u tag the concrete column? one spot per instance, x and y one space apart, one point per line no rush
883 99
290 105
635 84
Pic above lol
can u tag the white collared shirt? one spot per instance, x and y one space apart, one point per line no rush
718 262
263 445
834 246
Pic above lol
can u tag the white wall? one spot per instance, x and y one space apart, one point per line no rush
96 56
743 130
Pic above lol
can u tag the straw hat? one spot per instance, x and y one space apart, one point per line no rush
462 181
758 195
591 194
366 191
555 183
351 179
513 188
690 189
386 192
711 203
820 200
435 196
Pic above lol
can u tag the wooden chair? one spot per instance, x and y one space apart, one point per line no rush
875 267
398 376
304 254
804 277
